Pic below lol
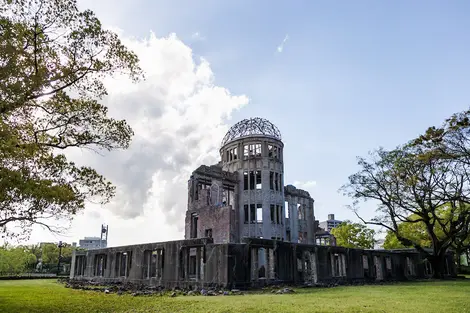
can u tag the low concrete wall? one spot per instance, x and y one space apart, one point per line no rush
253 263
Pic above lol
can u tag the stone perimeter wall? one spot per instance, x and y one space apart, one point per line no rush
201 263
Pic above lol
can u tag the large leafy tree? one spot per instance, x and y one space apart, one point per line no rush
354 235
53 59
410 185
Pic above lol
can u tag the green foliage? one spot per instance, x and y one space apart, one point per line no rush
430 297
354 235
16 260
53 59
49 253
416 232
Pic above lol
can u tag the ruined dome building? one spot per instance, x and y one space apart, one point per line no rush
244 228
243 196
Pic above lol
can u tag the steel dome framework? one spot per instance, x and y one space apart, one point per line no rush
252 126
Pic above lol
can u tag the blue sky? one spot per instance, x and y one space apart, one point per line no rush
352 75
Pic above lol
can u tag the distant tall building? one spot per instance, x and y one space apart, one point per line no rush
90 243
330 223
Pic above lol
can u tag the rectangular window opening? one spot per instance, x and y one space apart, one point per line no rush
258 179
245 180
246 151
276 181
278 214
273 218
247 215
259 213
258 149
286 206
252 180
252 213
270 151
271 180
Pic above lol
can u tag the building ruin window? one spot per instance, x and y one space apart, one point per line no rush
100 264
208 233
250 213
274 152
258 149
276 214
338 264
365 265
246 152
80 265
288 235
286 206
301 237
245 180
276 181
388 263
409 266
252 179
271 180
232 154
273 217
270 151
259 213
123 263
427 267
192 266
153 263
300 213
258 179
194 220
251 150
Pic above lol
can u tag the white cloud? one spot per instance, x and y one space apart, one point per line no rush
280 48
306 185
179 118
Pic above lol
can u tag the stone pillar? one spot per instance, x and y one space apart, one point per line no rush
254 263
74 258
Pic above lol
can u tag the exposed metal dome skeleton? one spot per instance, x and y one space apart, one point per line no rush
252 126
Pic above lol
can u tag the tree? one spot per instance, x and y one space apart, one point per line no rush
15 260
411 185
53 59
354 235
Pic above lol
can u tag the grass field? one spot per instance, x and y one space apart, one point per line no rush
432 296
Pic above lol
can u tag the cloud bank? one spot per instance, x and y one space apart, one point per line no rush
179 116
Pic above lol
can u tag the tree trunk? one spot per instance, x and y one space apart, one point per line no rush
459 260
438 265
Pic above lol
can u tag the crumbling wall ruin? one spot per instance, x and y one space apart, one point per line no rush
255 262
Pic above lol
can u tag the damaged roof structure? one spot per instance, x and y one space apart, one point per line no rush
244 227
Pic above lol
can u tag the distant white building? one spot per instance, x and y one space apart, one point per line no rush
330 223
90 243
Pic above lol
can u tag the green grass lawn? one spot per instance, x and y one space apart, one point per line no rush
432 296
